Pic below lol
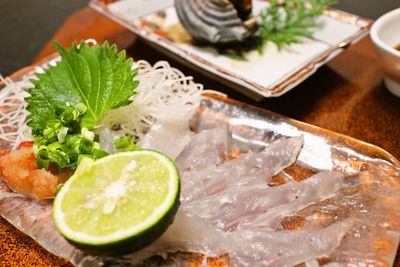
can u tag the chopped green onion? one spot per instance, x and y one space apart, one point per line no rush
53 124
62 144
54 146
125 144
73 142
122 142
96 138
96 145
73 156
85 164
62 133
42 147
98 154
89 135
85 146
131 147
60 158
42 163
50 134
69 115
81 108
43 154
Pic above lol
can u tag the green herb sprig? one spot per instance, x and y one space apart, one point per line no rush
291 23
282 24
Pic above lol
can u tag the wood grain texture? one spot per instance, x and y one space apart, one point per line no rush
347 96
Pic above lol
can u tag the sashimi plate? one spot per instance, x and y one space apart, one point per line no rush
270 74
340 201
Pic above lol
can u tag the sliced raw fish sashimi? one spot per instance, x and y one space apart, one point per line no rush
312 190
250 167
170 138
245 247
206 149
256 205
286 248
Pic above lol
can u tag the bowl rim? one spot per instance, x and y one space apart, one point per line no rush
376 27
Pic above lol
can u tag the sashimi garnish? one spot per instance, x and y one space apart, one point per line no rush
22 174
13 111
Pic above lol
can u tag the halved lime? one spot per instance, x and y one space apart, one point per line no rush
119 203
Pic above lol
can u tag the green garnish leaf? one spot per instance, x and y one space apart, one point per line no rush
125 143
68 99
281 23
290 24
96 77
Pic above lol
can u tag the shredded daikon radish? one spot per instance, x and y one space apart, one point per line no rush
164 95
13 111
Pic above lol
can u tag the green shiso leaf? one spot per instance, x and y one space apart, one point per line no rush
96 76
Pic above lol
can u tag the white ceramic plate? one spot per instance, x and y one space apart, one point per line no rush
270 74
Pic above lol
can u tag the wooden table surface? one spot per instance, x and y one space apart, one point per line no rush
347 96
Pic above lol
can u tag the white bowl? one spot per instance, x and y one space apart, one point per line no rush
385 34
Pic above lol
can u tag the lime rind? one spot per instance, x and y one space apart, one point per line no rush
156 221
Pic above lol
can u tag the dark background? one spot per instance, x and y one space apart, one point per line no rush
27 25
